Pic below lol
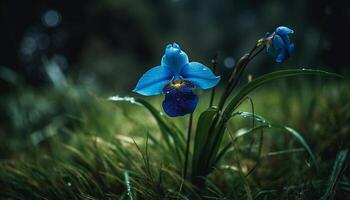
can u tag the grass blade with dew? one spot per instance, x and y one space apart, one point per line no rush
128 185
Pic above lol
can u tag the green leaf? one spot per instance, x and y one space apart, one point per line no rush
267 78
201 139
255 116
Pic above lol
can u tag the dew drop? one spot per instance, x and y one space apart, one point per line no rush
51 18
229 62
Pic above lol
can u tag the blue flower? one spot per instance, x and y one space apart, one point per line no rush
176 78
278 43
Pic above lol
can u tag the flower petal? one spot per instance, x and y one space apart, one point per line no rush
281 56
200 75
290 48
175 58
153 81
179 101
277 42
283 30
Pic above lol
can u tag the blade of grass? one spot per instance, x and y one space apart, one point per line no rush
128 185
339 167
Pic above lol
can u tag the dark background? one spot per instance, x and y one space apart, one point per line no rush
108 44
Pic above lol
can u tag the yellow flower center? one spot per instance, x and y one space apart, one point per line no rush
176 84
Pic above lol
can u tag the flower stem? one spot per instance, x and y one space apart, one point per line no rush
213 62
238 71
232 83
187 151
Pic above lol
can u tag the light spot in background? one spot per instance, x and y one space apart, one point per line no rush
229 62
32 43
51 18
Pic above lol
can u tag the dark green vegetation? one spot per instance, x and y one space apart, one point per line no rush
66 143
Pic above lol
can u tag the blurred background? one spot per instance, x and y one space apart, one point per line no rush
97 42
56 55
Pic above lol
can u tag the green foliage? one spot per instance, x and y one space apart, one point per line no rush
107 150
206 158
200 149
92 163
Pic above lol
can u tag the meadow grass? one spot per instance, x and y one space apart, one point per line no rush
73 144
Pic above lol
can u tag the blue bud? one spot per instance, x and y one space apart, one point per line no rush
278 43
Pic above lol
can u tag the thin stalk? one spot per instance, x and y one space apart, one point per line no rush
238 71
233 82
243 61
257 53
214 62
187 151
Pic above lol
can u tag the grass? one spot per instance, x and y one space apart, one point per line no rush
72 144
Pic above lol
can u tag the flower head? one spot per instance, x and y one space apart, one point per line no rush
176 78
278 43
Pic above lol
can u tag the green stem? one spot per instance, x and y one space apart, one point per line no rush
187 146
214 62
232 83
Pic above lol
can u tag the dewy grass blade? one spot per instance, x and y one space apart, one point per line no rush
128 184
